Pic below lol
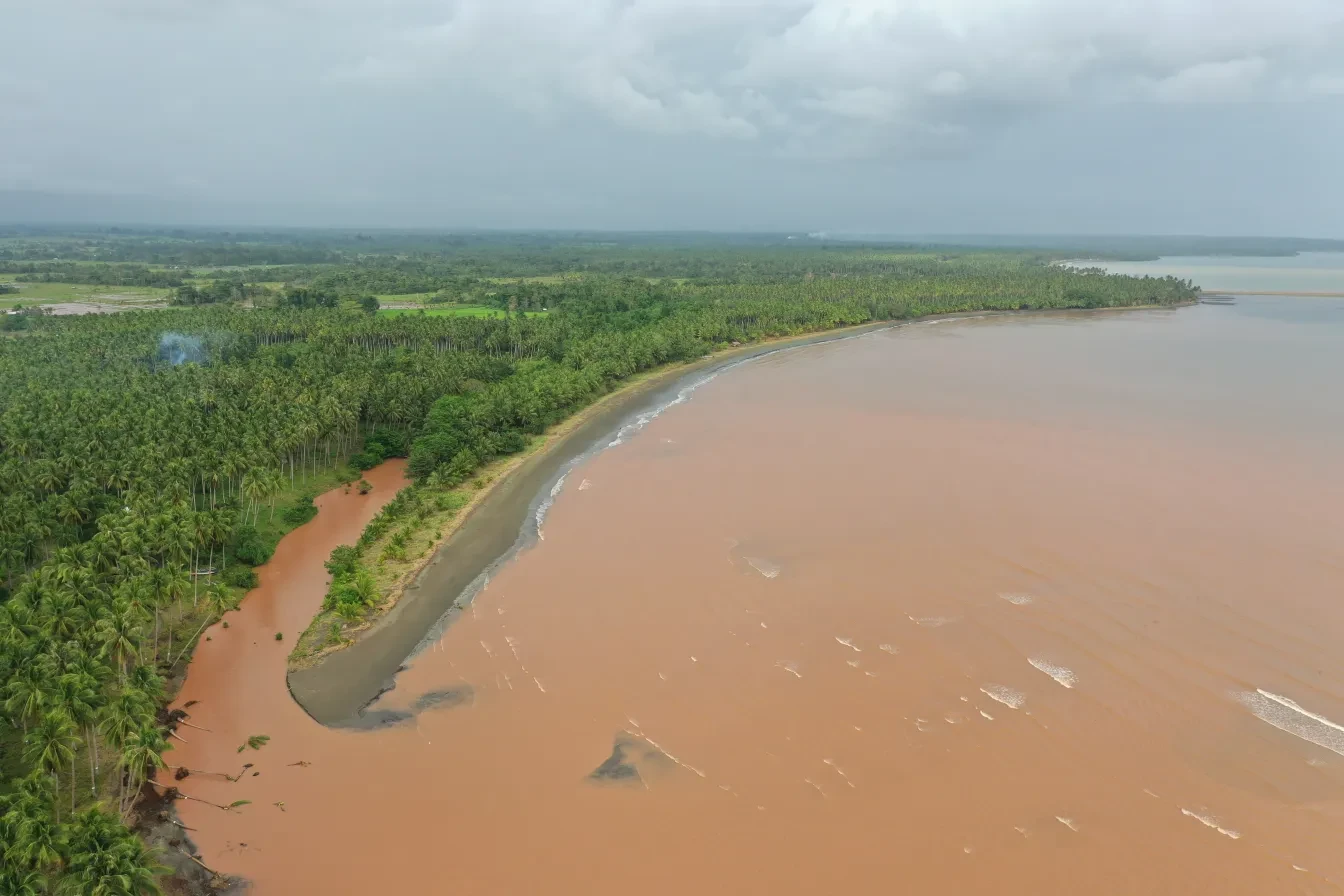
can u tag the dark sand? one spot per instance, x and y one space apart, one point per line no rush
993 607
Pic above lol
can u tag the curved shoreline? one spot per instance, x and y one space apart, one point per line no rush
337 688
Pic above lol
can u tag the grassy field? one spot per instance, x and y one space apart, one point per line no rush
453 311
43 293
410 298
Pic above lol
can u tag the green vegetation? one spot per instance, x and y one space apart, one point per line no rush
456 311
149 460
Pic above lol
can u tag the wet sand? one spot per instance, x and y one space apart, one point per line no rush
990 607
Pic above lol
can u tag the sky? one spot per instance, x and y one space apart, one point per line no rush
1221 117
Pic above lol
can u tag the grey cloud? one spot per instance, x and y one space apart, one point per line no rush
488 111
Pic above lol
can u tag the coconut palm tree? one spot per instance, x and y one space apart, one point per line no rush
50 747
78 694
141 753
104 859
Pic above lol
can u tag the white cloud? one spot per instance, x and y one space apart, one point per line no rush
1235 79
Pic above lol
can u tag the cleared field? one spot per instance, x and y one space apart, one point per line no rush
43 293
410 298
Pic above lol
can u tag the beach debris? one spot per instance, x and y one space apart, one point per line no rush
279 804
255 742
302 763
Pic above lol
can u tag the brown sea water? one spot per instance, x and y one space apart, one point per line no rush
1011 605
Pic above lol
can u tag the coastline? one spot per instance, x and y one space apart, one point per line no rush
336 685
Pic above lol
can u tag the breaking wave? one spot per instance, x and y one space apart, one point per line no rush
1009 697
1059 673
1287 715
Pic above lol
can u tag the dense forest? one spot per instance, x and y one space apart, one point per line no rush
150 459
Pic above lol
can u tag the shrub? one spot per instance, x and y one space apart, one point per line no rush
343 561
364 461
385 442
300 512
239 576
249 547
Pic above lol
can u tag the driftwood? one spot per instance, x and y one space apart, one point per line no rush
172 792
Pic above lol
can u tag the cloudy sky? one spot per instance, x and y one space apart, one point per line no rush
891 116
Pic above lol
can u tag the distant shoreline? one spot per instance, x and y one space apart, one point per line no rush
1304 294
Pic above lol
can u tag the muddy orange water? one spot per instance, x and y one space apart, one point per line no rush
1046 605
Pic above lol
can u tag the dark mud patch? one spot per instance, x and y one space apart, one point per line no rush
156 821
448 698
633 760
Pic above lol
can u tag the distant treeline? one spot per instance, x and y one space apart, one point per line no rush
97 273
523 254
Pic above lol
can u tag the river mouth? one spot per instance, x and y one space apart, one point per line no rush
338 690
1008 606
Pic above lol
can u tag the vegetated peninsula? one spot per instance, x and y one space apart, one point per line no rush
150 459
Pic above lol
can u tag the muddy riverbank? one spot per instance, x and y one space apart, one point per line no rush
340 684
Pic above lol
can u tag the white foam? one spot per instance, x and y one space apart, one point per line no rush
545 505
764 567
839 771
986 715
1009 697
853 664
644 419
931 621
922 724
849 642
661 749
1067 822
1210 822
1059 673
791 668
1289 716
1016 598
887 648
585 485
538 684
488 652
